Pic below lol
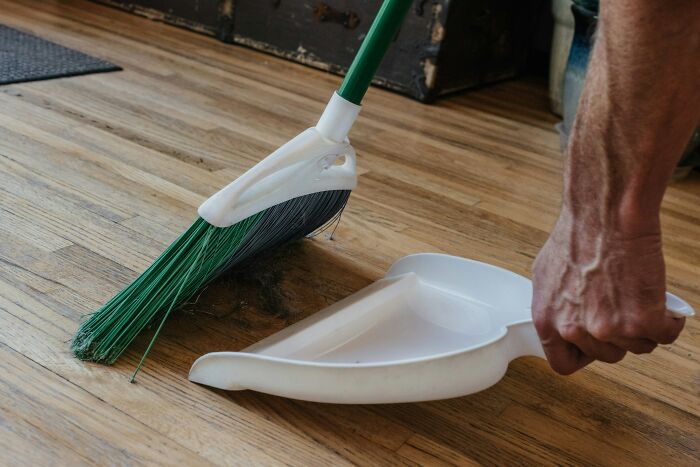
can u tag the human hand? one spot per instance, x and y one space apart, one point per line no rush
598 295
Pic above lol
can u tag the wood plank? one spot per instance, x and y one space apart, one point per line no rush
51 421
161 400
431 452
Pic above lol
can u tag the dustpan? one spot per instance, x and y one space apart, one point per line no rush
435 327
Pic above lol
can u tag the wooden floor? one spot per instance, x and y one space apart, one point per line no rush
99 173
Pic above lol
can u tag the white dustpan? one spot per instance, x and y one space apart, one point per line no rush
435 327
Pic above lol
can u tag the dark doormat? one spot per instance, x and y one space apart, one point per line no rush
24 57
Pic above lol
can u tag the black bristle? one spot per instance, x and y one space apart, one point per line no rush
291 220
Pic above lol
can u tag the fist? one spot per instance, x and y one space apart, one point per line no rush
598 295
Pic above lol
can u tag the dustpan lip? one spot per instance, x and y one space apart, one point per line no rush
450 258
503 333
413 264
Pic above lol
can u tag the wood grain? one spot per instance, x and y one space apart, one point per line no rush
99 173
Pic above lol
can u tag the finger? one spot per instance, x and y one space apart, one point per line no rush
564 357
636 346
599 350
667 330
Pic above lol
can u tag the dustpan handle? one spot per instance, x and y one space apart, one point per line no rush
380 35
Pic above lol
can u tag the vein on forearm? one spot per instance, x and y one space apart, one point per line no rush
638 109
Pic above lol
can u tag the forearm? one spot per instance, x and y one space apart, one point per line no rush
626 140
599 280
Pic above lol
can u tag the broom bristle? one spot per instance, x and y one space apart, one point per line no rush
200 254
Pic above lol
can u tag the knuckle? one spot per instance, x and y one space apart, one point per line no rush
571 332
602 330
540 321
538 318
632 329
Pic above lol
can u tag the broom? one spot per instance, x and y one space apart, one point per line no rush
293 192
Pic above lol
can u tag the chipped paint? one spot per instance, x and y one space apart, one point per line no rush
226 8
437 35
324 12
430 72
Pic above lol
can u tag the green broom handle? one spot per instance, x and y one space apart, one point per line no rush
382 32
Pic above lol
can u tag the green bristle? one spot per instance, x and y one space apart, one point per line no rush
193 260
180 271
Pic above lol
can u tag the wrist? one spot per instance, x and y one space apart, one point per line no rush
589 245
627 218
586 237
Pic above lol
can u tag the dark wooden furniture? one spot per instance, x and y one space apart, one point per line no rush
443 46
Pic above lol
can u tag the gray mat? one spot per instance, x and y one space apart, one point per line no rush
24 57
